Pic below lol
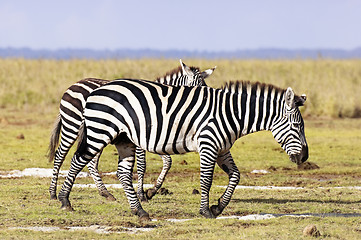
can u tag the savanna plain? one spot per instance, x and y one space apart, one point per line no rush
326 192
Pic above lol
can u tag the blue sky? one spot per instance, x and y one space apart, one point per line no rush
210 25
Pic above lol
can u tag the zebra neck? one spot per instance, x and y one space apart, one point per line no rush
258 109
171 79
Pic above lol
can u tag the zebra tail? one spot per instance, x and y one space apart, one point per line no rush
54 139
81 139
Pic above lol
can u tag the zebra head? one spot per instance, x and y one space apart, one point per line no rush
193 76
288 129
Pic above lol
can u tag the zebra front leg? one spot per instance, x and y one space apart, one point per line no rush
94 172
77 164
141 168
167 163
226 162
126 153
208 157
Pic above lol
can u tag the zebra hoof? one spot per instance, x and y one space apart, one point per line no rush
107 196
215 209
143 215
68 209
150 193
65 205
111 198
53 197
207 213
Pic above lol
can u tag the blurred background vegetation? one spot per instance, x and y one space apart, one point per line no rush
333 87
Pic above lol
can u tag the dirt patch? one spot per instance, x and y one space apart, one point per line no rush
307 166
183 162
311 230
272 169
20 136
195 191
164 191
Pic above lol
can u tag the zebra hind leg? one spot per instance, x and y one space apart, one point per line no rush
227 164
126 151
59 158
94 172
77 164
167 163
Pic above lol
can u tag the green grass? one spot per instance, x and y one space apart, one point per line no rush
334 147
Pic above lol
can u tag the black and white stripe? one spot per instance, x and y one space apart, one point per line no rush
172 120
71 115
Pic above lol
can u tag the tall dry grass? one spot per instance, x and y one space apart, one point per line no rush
333 87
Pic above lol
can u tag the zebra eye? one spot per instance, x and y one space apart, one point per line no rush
296 125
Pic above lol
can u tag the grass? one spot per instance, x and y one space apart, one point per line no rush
332 87
29 106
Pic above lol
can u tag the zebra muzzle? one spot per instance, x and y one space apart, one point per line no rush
301 157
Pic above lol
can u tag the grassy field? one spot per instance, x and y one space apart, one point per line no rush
29 97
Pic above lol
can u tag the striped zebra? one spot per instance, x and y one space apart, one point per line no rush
172 120
71 115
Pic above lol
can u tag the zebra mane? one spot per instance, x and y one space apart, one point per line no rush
177 72
236 86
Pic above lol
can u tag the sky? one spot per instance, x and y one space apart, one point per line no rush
194 25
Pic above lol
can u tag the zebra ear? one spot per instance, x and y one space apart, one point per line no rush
289 97
186 70
208 72
300 101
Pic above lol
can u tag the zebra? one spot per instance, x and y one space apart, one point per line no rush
69 120
173 120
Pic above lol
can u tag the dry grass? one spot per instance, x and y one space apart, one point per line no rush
332 86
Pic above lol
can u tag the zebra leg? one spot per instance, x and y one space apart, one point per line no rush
94 172
208 156
167 163
77 164
60 154
126 153
141 168
226 162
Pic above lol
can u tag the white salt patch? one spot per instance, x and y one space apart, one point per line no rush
288 187
264 187
36 172
119 186
260 171
136 230
38 229
93 228
174 220
253 217
256 217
